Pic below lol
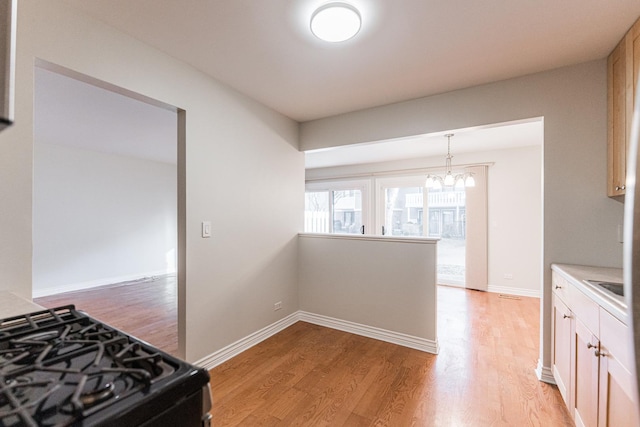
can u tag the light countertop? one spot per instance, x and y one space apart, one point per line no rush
577 274
14 305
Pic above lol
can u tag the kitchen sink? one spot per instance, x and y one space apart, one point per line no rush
616 288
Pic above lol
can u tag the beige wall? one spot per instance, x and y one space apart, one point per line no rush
382 282
514 204
100 218
580 221
236 152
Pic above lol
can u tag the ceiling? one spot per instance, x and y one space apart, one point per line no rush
405 50
264 49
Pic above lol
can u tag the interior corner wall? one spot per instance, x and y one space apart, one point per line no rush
579 220
244 173
100 218
515 210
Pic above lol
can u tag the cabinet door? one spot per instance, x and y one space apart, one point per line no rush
585 374
617 132
632 63
616 406
561 355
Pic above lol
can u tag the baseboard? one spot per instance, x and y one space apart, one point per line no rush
404 340
452 285
514 291
544 373
234 349
37 293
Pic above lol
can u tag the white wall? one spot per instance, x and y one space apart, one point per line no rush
381 282
515 220
236 151
514 204
580 221
100 218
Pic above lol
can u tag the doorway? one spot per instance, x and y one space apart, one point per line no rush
107 181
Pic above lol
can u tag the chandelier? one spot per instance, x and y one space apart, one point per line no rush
459 181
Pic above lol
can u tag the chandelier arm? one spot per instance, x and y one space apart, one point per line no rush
449 180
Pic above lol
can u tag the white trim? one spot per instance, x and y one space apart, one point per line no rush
234 349
398 338
514 291
544 373
452 284
396 239
391 173
37 293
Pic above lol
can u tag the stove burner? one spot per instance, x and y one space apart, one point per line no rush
87 399
63 366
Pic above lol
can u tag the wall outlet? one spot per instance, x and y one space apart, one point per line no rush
508 276
277 306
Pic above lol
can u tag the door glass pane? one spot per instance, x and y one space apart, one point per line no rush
447 220
347 211
316 212
403 211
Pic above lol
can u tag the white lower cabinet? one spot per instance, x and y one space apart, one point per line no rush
615 391
590 360
561 354
585 369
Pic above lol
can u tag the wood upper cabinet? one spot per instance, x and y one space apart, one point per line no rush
617 121
623 66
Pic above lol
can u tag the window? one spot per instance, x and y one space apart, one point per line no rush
336 207
400 206
316 211
403 211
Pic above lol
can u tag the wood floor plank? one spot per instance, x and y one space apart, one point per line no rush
146 309
308 375
483 376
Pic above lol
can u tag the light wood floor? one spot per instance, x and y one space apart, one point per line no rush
146 309
308 375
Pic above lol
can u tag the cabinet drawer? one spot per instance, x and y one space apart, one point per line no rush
585 309
614 336
560 286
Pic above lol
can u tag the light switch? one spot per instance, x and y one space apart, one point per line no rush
206 228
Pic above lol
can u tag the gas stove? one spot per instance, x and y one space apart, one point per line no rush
60 367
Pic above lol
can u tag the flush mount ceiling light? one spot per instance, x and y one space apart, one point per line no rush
335 22
458 182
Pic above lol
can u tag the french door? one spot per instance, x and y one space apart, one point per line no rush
407 208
